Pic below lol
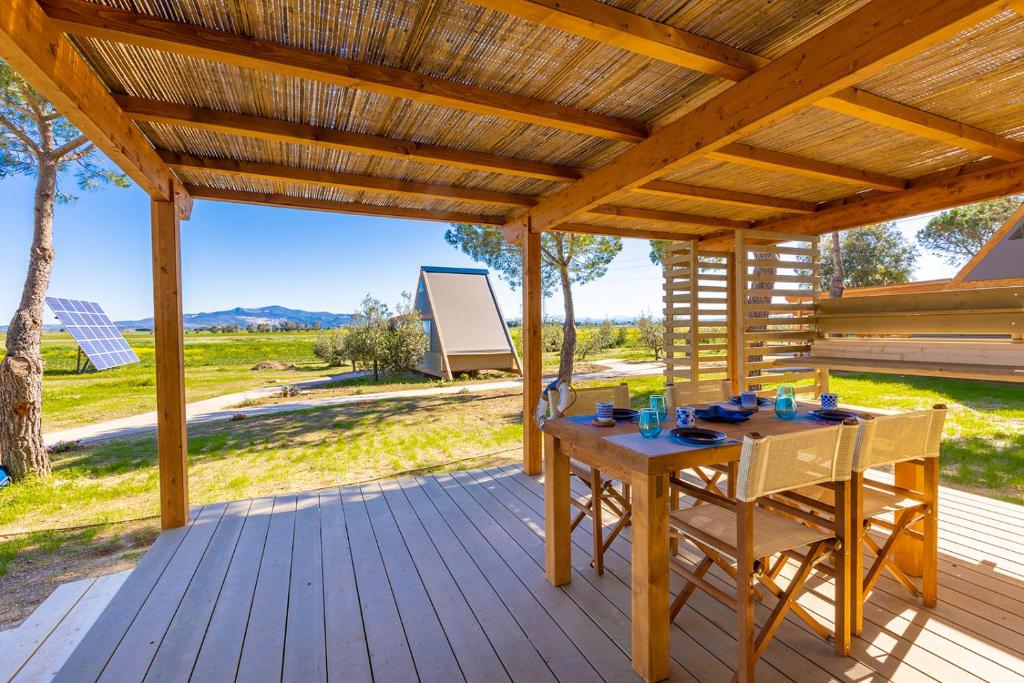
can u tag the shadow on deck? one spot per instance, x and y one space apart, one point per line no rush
441 579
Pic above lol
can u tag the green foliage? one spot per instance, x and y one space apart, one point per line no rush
960 233
551 336
596 339
651 334
658 250
330 347
388 343
873 255
407 341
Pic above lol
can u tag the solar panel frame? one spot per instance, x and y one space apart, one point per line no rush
94 332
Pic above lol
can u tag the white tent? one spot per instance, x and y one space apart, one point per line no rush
462 317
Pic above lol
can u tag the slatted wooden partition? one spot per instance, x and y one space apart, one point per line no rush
697 309
768 326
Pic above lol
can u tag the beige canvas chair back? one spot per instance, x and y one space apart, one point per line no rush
688 394
779 463
587 398
890 439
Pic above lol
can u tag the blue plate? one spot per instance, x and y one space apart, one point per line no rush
831 415
625 414
761 401
697 436
720 414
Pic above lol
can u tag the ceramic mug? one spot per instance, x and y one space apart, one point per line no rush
685 416
604 410
829 401
748 400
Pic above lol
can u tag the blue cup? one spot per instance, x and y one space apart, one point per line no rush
829 401
649 423
605 410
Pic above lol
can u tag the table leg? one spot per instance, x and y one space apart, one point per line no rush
909 551
557 543
650 576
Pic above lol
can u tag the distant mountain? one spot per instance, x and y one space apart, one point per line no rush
269 315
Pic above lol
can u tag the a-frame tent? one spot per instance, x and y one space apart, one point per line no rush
463 319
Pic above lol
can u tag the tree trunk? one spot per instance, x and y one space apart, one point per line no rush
568 329
376 371
835 288
21 371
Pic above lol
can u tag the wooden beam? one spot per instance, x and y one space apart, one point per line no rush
96 21
532 349
645 234
612 26
659 216
168 336
345 181
277 130
921 197
35 47
878 35
664 188
771 160
292 202
864 105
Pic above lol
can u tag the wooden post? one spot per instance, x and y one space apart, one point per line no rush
532 349
908 552
650 598
172 443
557 535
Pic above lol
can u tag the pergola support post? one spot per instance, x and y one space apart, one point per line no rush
532 349
172 438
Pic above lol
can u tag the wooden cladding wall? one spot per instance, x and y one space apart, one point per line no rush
697 310
774 294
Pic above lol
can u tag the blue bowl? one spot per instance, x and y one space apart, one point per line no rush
720 414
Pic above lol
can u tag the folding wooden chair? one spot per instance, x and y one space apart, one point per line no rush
741 535
686 395
884 441
603 491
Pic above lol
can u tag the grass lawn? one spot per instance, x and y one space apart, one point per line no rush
215 364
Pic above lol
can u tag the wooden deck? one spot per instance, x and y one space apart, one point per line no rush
441 579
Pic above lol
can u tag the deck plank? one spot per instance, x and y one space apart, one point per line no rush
305 646
431 649
88 660
221 646
179 647
518 655
263 648
390 655
348 658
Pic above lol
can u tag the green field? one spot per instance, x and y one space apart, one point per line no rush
215 364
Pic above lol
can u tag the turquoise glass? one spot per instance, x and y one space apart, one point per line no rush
785 402
650 423
658 403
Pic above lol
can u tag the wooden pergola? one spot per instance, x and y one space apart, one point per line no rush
667 120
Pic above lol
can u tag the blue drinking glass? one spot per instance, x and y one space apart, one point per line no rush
658 403
650 423
785 402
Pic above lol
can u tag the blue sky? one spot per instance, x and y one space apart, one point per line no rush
236 255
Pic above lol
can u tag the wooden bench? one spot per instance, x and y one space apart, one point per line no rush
932 325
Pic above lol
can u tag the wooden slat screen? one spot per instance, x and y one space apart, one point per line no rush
774 291
696 331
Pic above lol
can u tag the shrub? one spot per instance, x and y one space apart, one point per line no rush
331 348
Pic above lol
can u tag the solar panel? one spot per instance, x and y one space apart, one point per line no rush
97 336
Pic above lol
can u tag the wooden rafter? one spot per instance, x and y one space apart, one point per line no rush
35 47
879 34
344 181
659 216
864 105
97 21
664 188
598 22
644 234
809 168
940 192
293 202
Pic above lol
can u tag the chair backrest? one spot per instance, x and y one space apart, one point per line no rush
889 439
687 394
769 464
588 397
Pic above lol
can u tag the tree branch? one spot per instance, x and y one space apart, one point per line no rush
68 147
18 107
21 135
80 154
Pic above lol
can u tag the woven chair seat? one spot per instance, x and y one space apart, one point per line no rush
876 502
773 533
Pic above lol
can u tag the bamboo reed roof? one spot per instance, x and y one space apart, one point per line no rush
974 78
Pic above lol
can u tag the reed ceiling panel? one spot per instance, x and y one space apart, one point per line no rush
704 208
730 176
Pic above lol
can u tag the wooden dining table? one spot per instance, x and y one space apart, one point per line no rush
620 452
